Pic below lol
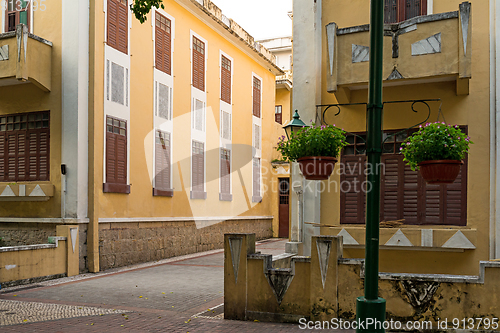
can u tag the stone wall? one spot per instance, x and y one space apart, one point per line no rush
17 234
122 244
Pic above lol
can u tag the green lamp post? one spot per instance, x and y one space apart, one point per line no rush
370 309
294 125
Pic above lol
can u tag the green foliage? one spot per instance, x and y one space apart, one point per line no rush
141 8
435 141
312 141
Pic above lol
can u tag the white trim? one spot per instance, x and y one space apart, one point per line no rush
180 219
430 7
57 220
225 107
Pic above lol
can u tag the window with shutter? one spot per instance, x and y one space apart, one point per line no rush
226 125
225 89
25 146
162 182
256 97
399 10
116 156
17 12
256 197
164 102
198 64
198 170
163 42
225 175
117 25
404 194
117 84
278 114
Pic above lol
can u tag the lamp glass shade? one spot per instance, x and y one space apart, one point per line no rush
294 125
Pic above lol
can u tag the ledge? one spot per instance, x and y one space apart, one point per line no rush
53 243
26 192
225 197
198 195
116 188
179 219
163 193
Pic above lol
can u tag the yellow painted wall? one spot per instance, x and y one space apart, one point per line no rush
140 202
29 98
471 110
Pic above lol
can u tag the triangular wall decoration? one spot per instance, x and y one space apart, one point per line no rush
458 241
323 247
464 18
331 34
347 239
235 244
279 280
7 192
395 75
429 45
37 192
360 53
399 239
73 232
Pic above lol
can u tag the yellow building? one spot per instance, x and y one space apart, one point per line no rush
159 132
433 50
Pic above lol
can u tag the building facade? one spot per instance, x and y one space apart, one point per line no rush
159 132
444 52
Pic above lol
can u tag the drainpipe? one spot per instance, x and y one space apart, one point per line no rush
300 214
63 191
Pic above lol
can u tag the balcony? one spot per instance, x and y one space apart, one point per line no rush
25 58
431 48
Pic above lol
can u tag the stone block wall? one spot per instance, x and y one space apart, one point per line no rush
17 234
122 244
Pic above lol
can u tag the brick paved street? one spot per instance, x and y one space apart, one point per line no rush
170 295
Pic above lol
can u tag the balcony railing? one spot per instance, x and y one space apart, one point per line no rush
25 58
423 49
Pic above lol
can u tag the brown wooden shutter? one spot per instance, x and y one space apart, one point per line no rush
256 97
163 42
226 80
116 151
352 196
117 25
162 161
278 114
3 159
198 64
392 189
198 165
12 149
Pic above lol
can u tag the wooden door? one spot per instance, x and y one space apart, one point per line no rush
284 200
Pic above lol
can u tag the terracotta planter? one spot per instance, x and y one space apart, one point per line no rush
440 171
317 167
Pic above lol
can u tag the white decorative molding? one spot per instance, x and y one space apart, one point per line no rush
395 75
459 241
398 239
180 219
360 53
464 18
427 238
347 239
331 34
4 52
323 247
429 45
73 233
37 192
235 244
7 192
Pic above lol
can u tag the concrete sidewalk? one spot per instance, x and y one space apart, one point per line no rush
171 295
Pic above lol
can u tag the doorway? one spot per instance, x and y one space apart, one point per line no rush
284 206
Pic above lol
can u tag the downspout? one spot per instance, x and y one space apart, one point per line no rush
494 132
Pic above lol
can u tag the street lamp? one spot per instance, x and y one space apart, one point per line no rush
294 125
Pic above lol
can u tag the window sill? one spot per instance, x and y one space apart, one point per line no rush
225 197
163 193
256 199
198 195
33 191
115 188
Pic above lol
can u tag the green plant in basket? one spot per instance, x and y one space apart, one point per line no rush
323 140
435 141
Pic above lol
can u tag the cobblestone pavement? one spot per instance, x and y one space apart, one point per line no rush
171 295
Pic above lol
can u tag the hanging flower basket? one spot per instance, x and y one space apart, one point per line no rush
440 171
437 150
316 167
315 148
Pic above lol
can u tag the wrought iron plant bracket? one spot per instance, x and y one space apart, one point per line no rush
413 102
